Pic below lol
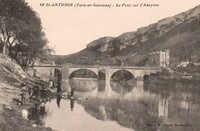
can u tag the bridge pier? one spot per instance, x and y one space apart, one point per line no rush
140 82
65 79
136 92
163 108
107 82
108 90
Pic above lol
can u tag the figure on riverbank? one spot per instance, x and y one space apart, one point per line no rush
51 84
29 90
34 112
24 95
59 80
43 94
72 91
42 109
72 103
35 92
59 87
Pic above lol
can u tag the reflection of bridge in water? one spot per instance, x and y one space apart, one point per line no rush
137 72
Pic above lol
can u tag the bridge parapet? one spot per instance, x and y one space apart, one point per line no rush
113 67
52 66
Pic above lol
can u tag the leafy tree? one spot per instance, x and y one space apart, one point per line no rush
21 32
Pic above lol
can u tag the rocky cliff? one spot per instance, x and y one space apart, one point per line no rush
146 33
179 34
100 44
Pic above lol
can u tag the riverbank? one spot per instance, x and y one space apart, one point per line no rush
10 112
11 77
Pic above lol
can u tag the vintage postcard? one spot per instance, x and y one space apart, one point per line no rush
99 65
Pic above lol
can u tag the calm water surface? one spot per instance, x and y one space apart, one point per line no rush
63 119
144 106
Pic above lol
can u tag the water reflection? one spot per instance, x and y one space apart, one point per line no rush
72 104
150 106
63 119
84 84
67 96
123 82
161 106
58 99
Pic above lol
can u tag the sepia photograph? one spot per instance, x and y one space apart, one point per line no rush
99 65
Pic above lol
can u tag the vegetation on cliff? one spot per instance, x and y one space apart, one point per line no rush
179 33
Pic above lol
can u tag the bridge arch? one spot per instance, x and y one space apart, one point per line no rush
146 77
122 81
137 73
83 80
81 72
122 71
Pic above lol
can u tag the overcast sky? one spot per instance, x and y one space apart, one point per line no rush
70 29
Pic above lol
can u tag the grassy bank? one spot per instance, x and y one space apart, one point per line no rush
11 120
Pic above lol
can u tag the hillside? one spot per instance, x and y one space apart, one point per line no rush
179 33
11 77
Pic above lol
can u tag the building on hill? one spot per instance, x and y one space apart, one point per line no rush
158 59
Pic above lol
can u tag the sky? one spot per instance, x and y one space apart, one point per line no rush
69 29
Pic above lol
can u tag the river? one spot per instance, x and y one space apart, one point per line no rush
144 106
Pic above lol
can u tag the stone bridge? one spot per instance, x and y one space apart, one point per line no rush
45 72
137 72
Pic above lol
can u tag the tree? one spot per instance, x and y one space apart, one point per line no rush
21 31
